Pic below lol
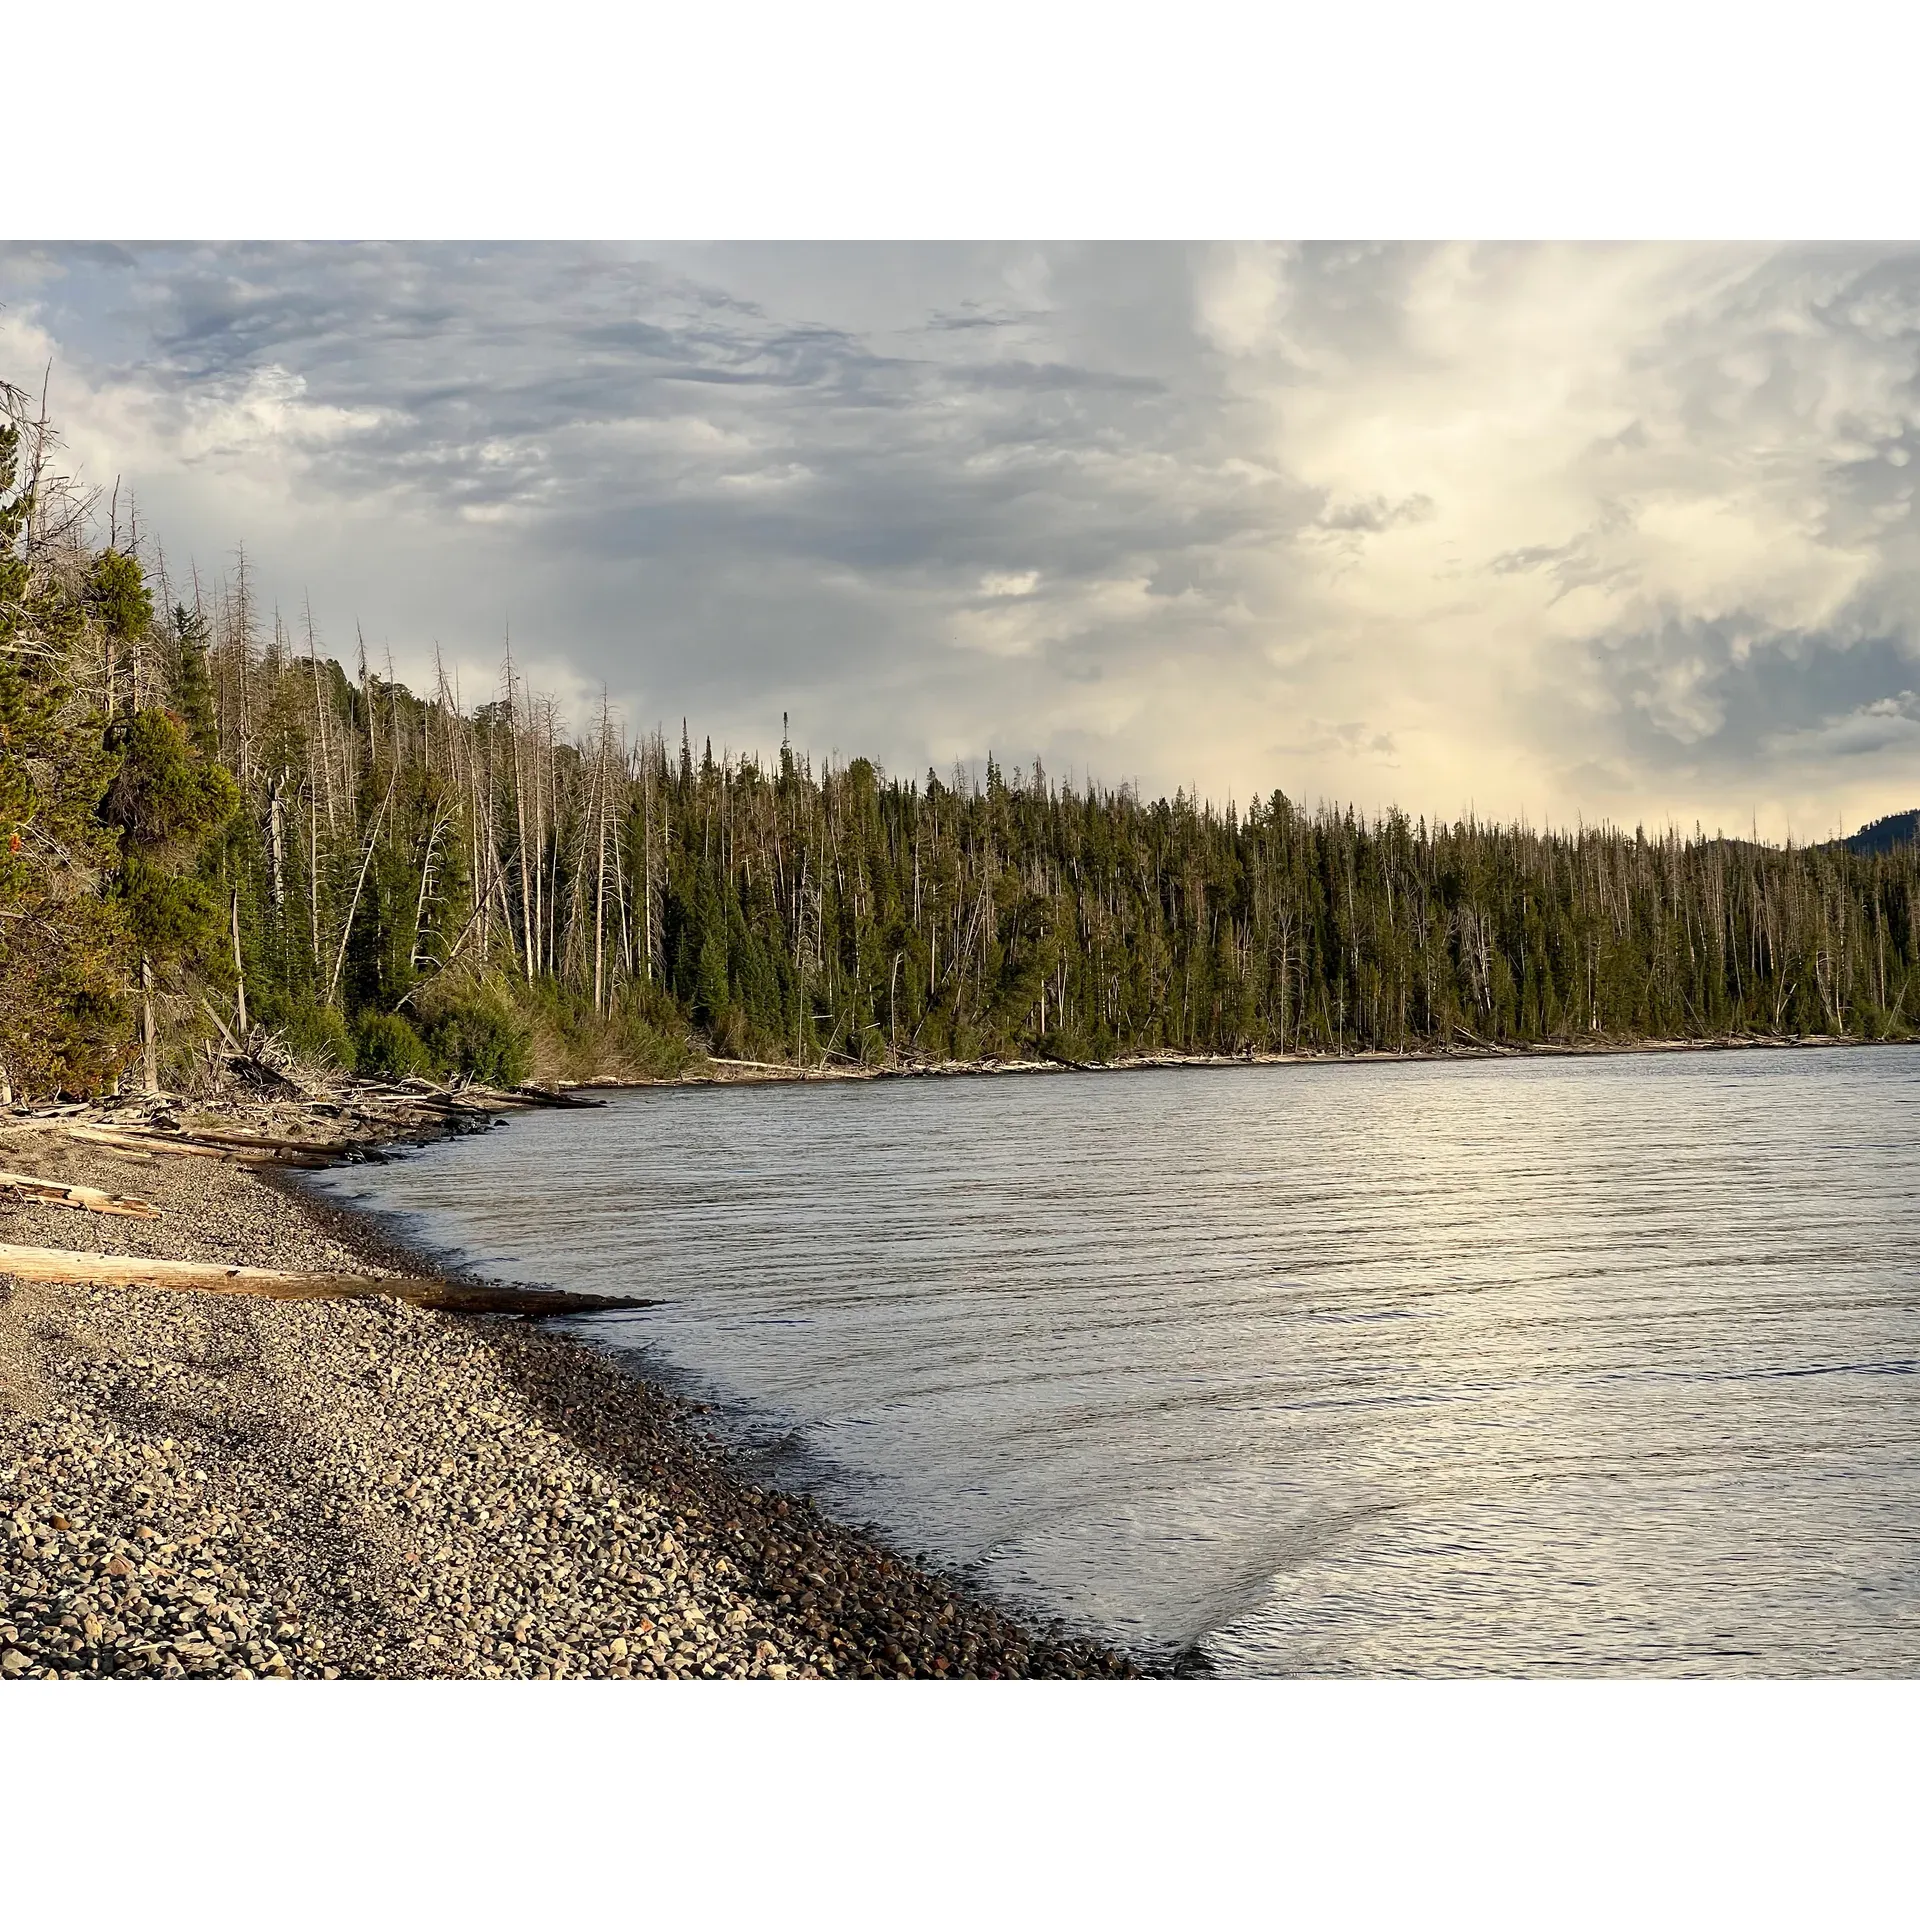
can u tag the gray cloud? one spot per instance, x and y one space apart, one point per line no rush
1717 692
1534 528
1377 514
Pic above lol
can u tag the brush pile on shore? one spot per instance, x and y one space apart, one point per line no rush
204 1485
282 1124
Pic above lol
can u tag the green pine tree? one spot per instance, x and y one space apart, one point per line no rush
164 801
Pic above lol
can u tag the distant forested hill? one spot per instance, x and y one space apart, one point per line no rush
1883 836
206 823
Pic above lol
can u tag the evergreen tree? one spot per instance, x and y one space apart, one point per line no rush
516 897
62 1013
191 685
163 802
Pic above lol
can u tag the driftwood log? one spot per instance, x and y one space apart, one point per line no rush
270 1283
799 1073
261 1142
476 1099
256 1153
57 1193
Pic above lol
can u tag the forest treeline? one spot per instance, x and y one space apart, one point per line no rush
212 826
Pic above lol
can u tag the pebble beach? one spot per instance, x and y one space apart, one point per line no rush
214 1486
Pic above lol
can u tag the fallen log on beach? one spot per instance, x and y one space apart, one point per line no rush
471 1097
532 1097
263 1143
491 1100
264 1153
58 1193
801 1073
58 1265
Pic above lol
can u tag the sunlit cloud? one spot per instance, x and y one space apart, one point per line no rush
1616 530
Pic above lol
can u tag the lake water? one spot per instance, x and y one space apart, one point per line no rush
1599 1366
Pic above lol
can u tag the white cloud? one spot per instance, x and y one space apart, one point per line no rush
265 410
1240 299
1538 529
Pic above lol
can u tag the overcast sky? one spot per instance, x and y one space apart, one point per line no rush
1619 532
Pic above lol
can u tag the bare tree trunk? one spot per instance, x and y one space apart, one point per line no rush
313 878
320 723
243 657
602 769
149 1039
353 906
414 956
277 846
646 852
620 894
539 840
492 869
239 972
520 816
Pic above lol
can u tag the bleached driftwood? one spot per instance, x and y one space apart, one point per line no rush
58 1193
59 1265
264 1153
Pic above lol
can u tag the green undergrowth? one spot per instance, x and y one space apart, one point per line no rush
501 1032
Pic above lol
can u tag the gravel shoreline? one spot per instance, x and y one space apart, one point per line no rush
206 1485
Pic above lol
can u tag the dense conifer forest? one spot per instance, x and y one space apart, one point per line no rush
212 829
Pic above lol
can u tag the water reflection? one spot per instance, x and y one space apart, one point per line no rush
1512 1367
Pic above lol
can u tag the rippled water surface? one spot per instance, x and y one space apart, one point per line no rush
1518 1367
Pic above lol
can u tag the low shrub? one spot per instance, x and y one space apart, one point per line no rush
479 1036
648 1049
388 1046
319 1034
